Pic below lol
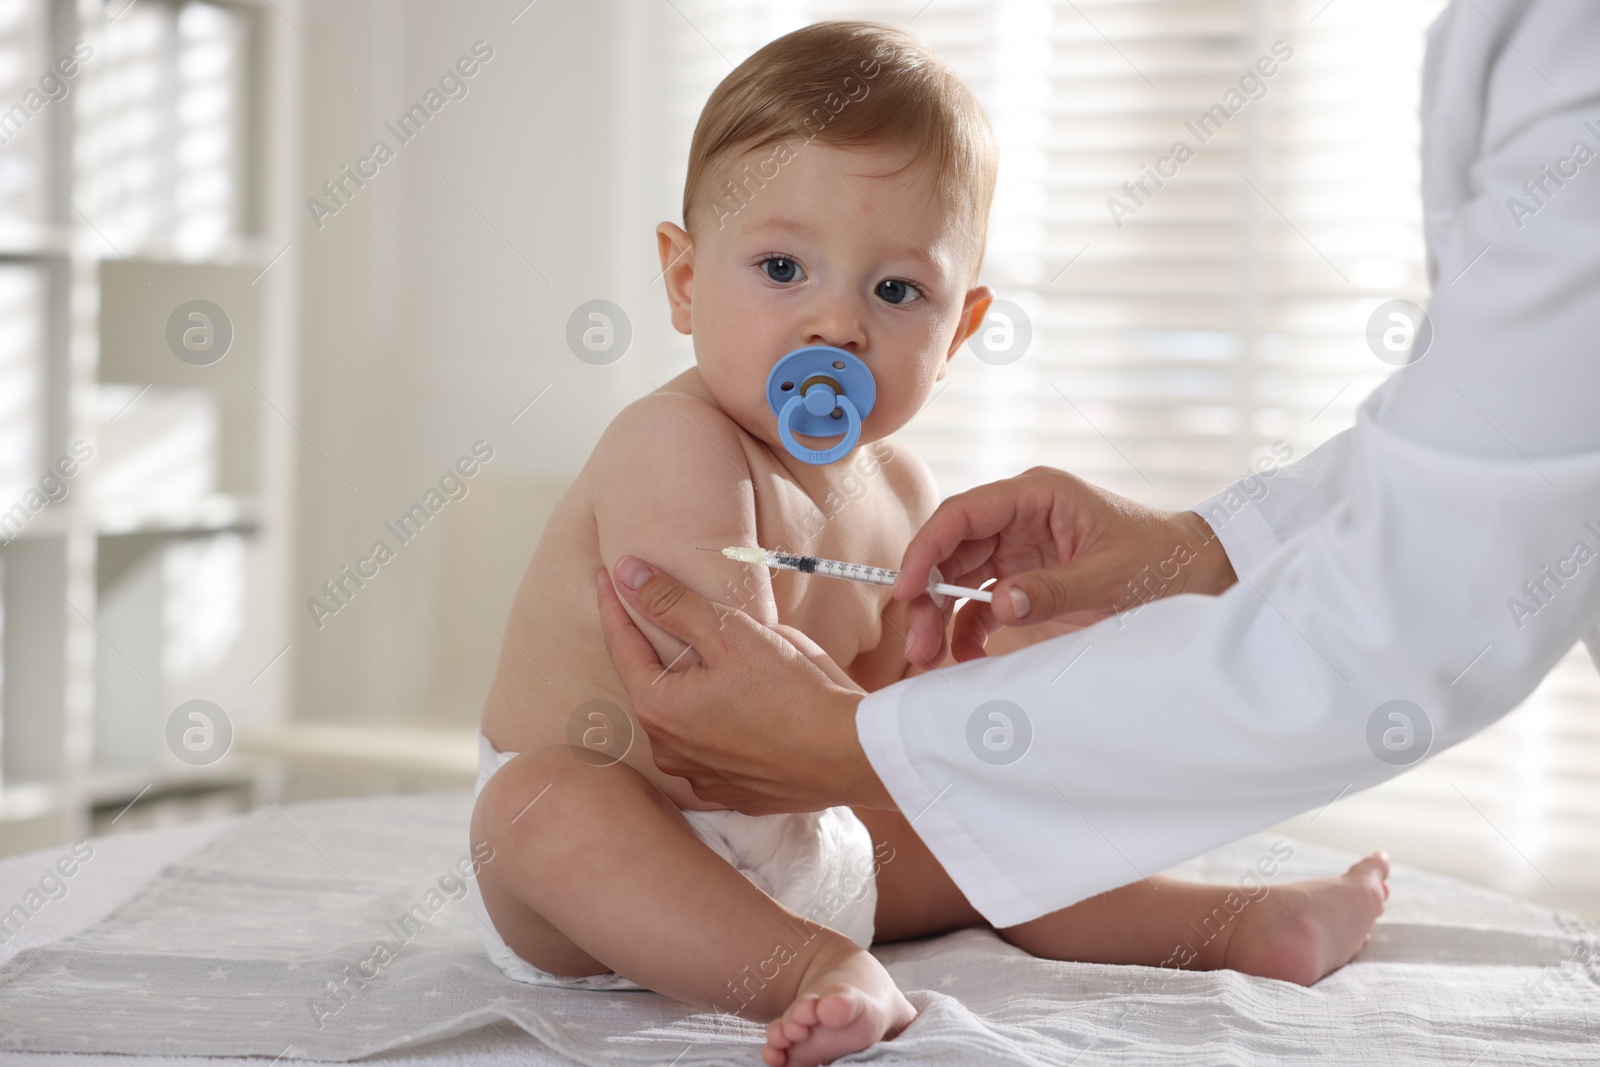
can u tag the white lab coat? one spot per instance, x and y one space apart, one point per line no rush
1383 566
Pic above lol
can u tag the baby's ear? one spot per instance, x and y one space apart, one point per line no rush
677 270
973 311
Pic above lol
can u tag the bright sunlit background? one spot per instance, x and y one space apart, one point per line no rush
359 334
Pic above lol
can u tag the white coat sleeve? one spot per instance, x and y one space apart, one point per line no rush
1254 516
1457 564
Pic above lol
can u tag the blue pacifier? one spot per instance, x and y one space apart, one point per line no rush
813 390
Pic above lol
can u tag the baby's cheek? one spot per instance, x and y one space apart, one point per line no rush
907 392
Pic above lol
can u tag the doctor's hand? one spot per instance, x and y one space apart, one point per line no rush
1063 550
765 723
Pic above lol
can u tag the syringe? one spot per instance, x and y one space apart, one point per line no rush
855 572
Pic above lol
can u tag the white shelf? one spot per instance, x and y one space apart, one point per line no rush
36 241
88 681
32 800
52 521
125 787
24 239
211 514
236 252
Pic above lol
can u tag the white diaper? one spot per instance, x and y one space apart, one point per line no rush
817 864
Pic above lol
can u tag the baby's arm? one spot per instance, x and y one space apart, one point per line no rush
668 477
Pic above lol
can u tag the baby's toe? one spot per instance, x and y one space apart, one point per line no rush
1374 866
803 1011
838 1010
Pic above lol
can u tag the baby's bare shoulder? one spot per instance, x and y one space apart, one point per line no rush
670 469
669 477
676 436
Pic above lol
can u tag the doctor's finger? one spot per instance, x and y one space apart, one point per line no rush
677 609
1038 513
959 535
631 653
926 625
974 623
1098 583
973 562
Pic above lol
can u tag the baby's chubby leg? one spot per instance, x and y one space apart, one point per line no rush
1296 932
595 870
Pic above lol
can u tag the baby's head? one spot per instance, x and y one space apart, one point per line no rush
838 194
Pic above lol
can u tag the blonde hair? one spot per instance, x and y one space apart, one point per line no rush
850 84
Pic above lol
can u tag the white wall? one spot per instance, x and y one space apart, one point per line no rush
425 328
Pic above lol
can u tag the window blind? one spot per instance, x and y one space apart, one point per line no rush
25 111
1195 314
161 153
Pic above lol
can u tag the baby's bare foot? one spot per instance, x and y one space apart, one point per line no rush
844 1005
1303 930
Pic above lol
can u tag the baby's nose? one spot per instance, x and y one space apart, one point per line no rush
835 322
852 339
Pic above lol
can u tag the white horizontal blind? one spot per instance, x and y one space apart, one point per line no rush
1223 323
1222 311
25 110
163 152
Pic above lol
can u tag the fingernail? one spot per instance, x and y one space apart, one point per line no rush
633 571
919 638
1020 604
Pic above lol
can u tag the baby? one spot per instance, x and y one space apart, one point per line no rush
838 194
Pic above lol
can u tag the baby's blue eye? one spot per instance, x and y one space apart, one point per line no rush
895 291
780 269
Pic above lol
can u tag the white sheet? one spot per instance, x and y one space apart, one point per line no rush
249 909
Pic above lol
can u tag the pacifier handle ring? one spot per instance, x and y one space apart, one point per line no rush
852 432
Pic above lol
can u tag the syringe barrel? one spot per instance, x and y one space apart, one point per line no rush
874 575
833 568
